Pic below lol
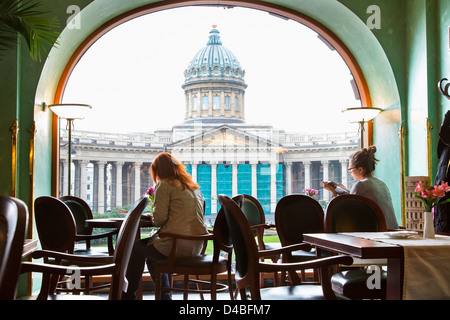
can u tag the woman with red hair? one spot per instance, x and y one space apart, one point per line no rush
178 208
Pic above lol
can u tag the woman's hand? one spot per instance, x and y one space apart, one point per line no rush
330 188
147 216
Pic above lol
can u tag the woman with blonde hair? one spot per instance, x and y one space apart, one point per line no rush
177 208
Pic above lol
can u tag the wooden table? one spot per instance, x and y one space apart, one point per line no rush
115 223
365 249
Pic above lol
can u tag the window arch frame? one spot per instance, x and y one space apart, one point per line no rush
271 8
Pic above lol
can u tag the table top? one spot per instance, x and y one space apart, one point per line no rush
353 245
115 223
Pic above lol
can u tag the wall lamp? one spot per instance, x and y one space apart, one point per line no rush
361 116
70 112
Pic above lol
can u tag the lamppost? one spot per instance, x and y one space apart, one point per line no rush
70 112
361 116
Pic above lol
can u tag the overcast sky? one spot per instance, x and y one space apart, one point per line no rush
132 76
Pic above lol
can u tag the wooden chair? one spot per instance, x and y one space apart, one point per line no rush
203 264
254 213
249 266
355 213
13 222
82 212
295 215
57 231
115 265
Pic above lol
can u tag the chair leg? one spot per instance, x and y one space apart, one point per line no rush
88 283
243 293
186 286
199 287
140 291
213 286
157 282
230 285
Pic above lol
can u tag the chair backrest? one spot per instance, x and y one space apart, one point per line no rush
80 211
242 238
354 213
13 224
55 224
221 232
253 210
295 215
125 241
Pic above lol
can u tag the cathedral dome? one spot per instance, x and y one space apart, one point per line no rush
214 85
214 61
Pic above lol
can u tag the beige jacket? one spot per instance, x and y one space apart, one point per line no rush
178 211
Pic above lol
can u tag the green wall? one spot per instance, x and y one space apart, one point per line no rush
402 62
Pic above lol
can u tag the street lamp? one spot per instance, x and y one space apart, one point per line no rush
361 116
70 112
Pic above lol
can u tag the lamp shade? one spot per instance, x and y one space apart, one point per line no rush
361 114
70 110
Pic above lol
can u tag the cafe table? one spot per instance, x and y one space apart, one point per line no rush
115 223
417 268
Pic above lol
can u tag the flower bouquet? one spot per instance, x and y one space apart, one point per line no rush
151 197
430 196
310 192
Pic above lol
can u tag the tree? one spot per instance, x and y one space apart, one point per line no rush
24 17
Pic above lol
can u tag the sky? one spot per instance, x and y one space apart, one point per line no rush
132 75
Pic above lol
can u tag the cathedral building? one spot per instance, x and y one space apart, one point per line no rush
222 150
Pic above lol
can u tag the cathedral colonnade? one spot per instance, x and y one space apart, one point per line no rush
106 184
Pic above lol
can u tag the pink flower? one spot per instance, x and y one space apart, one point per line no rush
440 190
310 192
427 194
419 186
430 195
150 191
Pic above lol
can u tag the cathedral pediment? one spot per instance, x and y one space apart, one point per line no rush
224 137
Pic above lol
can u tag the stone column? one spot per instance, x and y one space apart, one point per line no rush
101 186
76 180
83 179
119 166
254 166
194 166
234 180
210 102
307 166
344 171
288 177
137 180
